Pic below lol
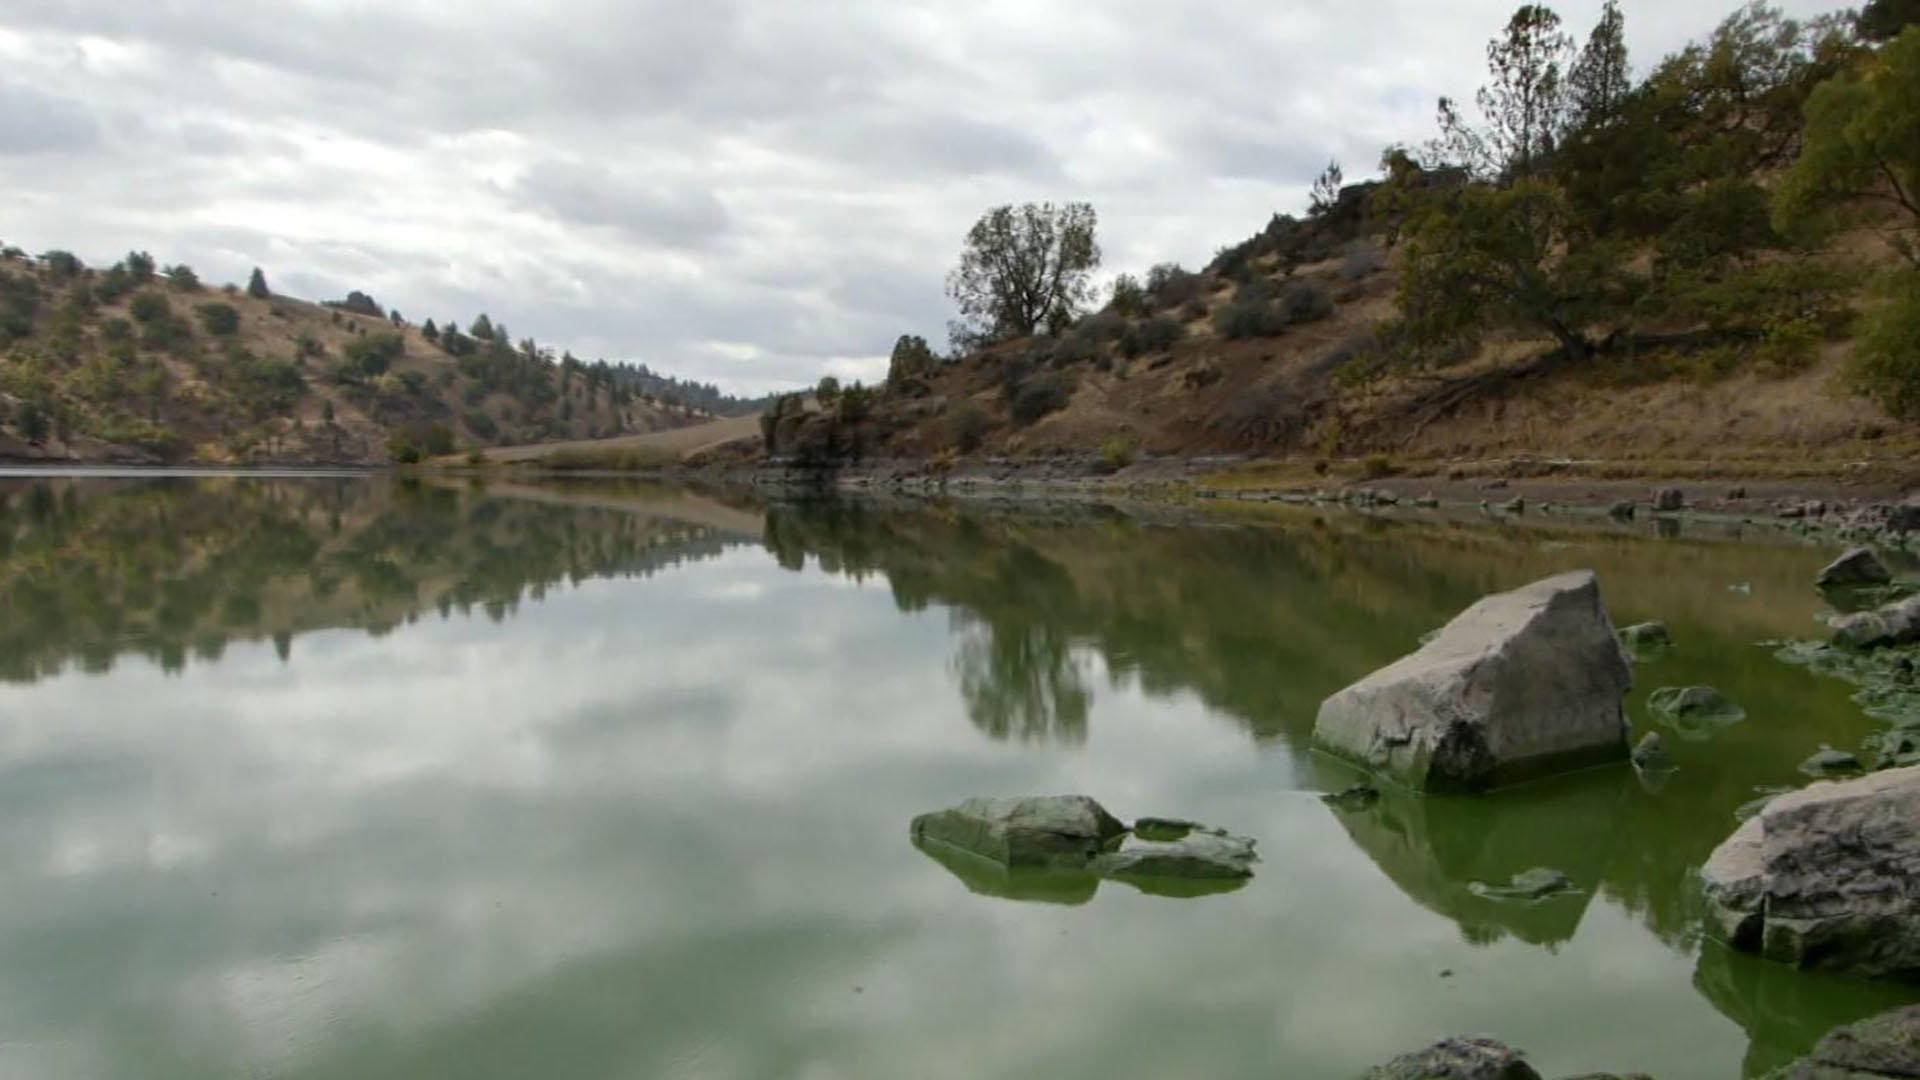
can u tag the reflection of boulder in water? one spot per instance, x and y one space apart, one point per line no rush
1443 850
1045 884
1784 1011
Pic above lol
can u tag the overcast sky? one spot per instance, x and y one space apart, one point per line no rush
749 192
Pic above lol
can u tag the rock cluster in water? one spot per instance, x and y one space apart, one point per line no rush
1073 834
1521 683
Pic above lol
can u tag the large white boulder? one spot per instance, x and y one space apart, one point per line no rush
1826 877
1521 683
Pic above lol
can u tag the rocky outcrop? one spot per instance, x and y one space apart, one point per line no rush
1858 567
1519 684
1887 1045
1826 877
1895 624
1058 847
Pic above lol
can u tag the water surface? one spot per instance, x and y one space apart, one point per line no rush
355 777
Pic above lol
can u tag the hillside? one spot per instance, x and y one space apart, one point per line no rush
1713 268
136 364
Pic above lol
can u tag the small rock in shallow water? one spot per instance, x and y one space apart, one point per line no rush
1669 500
1695 713
1474 1057
1651 754
1646 637
1831 762
1535 884
1357 797
1623 511
1515 505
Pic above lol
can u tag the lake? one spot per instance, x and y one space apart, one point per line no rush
364 777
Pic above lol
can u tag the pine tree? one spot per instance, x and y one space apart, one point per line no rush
257 285
1600 79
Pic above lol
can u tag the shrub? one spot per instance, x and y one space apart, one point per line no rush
1158 334
967 426
1078 347
1039 396
116 329
1195 310
1172 286
1129 296
168 332
1102 326
1116 453
1303 302
373 354
1361 259
359 303
1886 358
1376 467
183 278
62 265
219 319
306 345
149 307
1248 319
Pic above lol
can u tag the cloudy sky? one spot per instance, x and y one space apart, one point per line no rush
750 192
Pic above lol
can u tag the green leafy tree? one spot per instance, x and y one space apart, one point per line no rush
140 265
1522 108
1862 143
257 285
182 277
1886 357
1023 268
63 265
1128 297
149 307
828 390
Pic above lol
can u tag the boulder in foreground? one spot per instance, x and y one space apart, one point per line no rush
1826 877
1520 684
1473 1057
1895 624
1886 1045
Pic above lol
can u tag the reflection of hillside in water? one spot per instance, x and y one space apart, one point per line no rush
91 569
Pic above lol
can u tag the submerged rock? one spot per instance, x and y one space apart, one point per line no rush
1828 762
1859 566
1887 1045
1473 1057
1515 505
1521 683
1826 877
1535 884
1042 830
1646 637
1894 624
1650 754
1695 713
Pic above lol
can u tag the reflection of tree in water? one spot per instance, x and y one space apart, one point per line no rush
1020 680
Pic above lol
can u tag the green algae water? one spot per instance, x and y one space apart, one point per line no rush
361 777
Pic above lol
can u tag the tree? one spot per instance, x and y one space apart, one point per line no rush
1326 191
1024 268
257 285
182 277
1523 108
1600 80
430 331
1128 297
1862 142
140 265
482 328
828 390
63 265
218 318
911 359
1883 20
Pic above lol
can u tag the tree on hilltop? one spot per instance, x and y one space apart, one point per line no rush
1024 268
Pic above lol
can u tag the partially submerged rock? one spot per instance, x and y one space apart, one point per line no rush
1669 500
1519 684
1828 762
1646 637
1621 511
1695 713
1859 566
1357 797
1058 847
1650 754
1043 830
1472 1057
1895 624
1538 883
1826 877
1887 1045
